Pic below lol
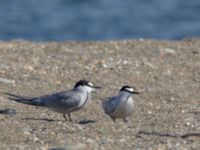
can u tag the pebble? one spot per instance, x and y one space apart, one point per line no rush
78 146
3 66
10 112
168 50
5 80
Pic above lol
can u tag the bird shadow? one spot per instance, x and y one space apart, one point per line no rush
42 119
162 134
84 122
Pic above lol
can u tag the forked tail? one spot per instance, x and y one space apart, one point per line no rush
35 101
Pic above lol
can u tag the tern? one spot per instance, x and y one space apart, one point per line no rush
64 102
122 105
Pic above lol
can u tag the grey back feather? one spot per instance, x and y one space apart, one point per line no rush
64 99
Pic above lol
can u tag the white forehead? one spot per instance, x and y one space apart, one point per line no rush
130 89
90 84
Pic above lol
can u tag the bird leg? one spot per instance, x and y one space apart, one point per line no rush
113 119
65 117
125 120
70 119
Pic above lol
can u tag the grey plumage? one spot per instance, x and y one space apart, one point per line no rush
63 102
120 106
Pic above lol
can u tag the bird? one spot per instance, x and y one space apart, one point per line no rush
122 105
64 102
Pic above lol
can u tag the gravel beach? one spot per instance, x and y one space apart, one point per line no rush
167 110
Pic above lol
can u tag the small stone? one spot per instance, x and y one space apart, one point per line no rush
149 112
104 66
78 146
123 140
188 123
125 62
4 80
27 131
3 66
168 50
89 141
182 111
30 68
10 112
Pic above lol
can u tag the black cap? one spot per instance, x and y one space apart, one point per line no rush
129 89
82 83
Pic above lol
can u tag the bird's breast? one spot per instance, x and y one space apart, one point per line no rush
125 110
84 99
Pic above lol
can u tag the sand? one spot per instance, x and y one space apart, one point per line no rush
167 110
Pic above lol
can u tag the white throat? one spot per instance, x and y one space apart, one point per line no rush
124 92
89 89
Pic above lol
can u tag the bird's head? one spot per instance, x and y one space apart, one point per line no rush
84 84
129 89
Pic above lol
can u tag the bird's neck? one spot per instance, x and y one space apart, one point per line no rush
125 94
83 89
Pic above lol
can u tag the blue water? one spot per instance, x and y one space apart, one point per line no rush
44 20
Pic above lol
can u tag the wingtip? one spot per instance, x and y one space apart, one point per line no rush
5 93
9 94
12 97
